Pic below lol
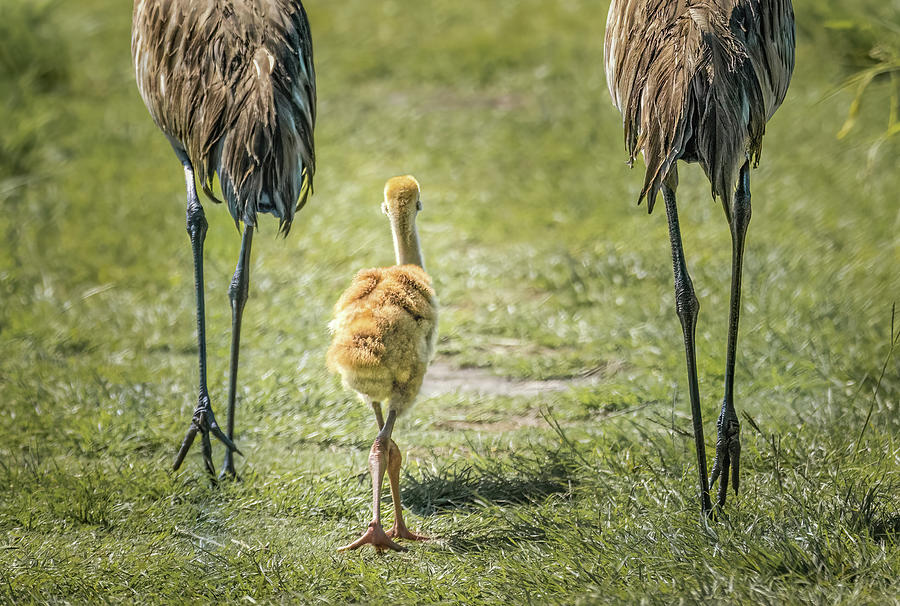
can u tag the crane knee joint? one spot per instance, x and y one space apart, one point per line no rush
196 222
740 209
740 216
380 451
381 446
238 291
687 306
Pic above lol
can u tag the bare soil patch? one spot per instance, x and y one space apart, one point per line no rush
443 378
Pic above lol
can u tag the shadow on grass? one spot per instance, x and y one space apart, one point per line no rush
886 527
871 506
485 482
506 528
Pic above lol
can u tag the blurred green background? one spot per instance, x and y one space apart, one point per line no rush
549 452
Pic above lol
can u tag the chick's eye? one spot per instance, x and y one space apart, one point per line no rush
418 205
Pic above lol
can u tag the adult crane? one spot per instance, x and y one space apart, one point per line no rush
231 84
697 80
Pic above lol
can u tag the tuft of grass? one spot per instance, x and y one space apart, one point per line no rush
866 39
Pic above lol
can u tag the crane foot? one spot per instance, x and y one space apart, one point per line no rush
204 422
400 531
728 454
376 537
228 472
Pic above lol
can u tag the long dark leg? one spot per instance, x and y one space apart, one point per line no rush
687 307
728 442
203 419
237 292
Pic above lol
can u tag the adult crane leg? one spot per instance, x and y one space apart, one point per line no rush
687 307
237 292
728 441
379 461
203 419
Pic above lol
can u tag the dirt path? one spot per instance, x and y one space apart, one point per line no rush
443 378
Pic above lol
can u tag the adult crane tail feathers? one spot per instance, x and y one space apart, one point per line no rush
697 80
233 88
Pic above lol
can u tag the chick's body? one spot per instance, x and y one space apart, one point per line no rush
384 331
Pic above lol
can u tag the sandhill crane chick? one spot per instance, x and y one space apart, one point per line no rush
384 329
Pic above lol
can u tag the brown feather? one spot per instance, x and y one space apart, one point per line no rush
232 84
696 80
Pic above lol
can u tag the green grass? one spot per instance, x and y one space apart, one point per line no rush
544 268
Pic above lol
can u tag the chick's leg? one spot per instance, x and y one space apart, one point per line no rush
399 530
379 460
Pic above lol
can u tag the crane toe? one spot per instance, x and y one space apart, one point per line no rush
228 471
400 531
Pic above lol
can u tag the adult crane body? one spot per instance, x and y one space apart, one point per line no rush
231 84
697 80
